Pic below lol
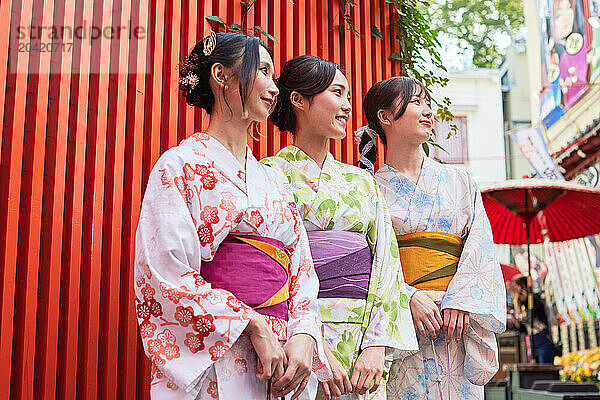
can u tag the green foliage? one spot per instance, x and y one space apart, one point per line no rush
478 25
419 49
238 28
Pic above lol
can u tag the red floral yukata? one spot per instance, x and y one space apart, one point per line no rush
197 194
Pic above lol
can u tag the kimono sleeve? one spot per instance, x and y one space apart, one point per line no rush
478 286
390 323
481 354
185 325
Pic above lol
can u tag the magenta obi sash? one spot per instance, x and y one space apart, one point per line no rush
255 269
343 263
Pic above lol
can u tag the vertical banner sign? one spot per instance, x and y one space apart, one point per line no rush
532 143
570 261
587 275
559 293
570 291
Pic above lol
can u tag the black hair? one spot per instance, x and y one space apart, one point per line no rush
307 75
239 52
391 93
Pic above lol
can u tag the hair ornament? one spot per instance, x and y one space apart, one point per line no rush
361 131
358 136
191 80
209 43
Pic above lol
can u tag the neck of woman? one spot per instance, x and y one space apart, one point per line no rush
315 146
231 133
406 158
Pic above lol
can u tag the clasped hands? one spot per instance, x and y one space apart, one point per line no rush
367 368
287 367
428 319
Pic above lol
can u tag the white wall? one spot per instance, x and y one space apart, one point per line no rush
477 95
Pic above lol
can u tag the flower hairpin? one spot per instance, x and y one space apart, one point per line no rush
210 42
190 80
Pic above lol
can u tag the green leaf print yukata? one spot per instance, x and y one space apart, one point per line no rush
341 197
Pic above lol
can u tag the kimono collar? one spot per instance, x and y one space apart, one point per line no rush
425 168
300 160
222 159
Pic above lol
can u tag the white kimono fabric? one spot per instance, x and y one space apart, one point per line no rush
197 194
446 199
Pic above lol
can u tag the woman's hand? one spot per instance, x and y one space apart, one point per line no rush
340 383
368 367
426 314
456 322
299 350
271 357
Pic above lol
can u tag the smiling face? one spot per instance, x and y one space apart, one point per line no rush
328 112
262 95
416 123
261 99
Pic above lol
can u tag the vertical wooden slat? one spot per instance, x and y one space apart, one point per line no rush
170 77
274 25
153 115
384 17
93 207
53 214
260 18
129 370
189 15
5 7
72 230
347 143
12 162
111 280
31 208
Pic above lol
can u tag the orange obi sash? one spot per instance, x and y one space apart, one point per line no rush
429 259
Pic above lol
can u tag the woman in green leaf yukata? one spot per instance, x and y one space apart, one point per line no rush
362 296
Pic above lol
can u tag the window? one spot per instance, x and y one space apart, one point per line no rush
455 146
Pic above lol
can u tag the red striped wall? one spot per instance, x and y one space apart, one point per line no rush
77 146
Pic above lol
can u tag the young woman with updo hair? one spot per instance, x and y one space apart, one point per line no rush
446 249
363 304
224 282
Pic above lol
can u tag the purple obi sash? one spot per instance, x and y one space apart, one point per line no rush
255 270
343 263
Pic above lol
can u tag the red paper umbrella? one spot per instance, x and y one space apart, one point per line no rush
509 272
571 210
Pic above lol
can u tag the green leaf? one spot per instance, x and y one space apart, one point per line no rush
216 19
403 300
327 204
357 227
235 28
395 56
376 32
426 149
261 30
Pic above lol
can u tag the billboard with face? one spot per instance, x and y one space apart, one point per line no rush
570 51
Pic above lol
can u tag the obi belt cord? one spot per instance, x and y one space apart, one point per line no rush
343 263
429 259
255 269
